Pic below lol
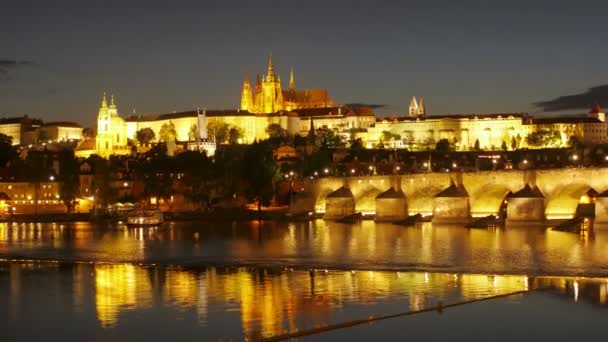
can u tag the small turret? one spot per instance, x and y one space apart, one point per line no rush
112 104
104 102
597 112
292 82
421 109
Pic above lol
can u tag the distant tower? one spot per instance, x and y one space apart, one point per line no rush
202 124
421 108
272 95
416 108
597 112
111 130
257 96
246 94
292 81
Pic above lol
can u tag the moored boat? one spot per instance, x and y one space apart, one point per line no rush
141 218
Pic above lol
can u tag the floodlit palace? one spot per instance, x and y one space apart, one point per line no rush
297 110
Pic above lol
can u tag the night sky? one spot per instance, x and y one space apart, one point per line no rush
57 57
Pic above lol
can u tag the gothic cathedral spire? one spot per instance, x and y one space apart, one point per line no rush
104 102
270 74
292 82
246 94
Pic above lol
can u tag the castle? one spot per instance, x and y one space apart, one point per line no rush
296 110
268 97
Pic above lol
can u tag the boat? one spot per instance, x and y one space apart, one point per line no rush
142 218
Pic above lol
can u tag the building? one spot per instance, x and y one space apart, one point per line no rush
419 131
20 129
268 97
60 131
21 197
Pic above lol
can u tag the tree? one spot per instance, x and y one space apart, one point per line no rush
102 177
477 147
7 151
275 131
513 143
155 173
68 178
199 179
327 138
504 146
235 135
262 173
193 132
544 139
167 132
145 135
218 129
317 162
443 145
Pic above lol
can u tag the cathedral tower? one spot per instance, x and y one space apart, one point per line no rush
416 108
247 94
272 95
111 130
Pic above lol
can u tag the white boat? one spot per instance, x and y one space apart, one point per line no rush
141 218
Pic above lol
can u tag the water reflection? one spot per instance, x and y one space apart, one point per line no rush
316 244
256 302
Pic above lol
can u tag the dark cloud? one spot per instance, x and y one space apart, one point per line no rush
7 65
584 100
365 105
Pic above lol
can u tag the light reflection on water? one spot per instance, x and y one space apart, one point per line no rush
320 244
112 299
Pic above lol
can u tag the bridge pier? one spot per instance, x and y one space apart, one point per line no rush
339 204
452 205
601 211
526 207
391 205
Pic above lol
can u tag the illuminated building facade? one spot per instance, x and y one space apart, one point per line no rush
419 131
20 129
111 130
267 97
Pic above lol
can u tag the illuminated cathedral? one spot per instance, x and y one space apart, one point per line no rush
268 97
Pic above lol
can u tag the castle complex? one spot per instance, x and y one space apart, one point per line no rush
295 110
269 97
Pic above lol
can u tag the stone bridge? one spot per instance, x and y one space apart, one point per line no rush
524 195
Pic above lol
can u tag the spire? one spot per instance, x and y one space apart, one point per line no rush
292 82
258 83
270 74
246 80
104 102
413 103
112 104
311 131
421 109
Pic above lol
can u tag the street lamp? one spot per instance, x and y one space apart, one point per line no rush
326 171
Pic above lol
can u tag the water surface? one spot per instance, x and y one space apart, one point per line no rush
316 244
